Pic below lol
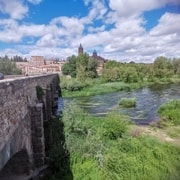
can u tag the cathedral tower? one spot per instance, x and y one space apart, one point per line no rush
80 50
94 54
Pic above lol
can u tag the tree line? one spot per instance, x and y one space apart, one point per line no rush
8 65
83 66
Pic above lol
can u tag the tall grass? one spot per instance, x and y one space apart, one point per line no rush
170 113
103 149
72 87
128 102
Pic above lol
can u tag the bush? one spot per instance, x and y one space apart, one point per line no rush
72 85
115 126
128 102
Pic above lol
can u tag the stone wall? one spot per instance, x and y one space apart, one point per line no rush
19 116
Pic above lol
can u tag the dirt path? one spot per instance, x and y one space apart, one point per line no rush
159 133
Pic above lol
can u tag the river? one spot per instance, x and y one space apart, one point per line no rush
148 101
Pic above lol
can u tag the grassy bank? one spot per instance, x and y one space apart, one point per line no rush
170 113
94 87
74 88
111 148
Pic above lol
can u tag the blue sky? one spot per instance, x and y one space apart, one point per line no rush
122 30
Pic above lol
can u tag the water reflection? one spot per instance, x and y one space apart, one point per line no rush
148 102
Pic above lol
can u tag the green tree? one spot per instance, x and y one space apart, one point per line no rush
129 75
92 68
82 66
18 59
111 71
111 74
176 66
162 67
8 67
70 67
111 64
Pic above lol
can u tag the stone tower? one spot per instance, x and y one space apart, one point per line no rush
94 54
80 50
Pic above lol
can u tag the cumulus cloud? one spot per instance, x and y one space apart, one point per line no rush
97 11
70 26
47 41
120 33
168 24
131 7
15 9
12 31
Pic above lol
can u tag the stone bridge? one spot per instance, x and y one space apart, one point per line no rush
26 104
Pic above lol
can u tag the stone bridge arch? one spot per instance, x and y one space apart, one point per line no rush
18 166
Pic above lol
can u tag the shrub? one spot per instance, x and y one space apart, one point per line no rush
128 102
72 85
115 126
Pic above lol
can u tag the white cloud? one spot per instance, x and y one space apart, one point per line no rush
15 9
47 41
120 34
12 31
92 29
168 24
131 7
96 12
70 26
50 52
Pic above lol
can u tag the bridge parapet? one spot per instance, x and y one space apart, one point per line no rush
21 115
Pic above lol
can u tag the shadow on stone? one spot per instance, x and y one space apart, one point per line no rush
58 155
18 167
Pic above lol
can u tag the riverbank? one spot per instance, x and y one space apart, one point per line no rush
112 147
166 134
96 87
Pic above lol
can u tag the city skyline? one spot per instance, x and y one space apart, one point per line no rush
122 30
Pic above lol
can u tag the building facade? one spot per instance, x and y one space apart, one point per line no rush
38 65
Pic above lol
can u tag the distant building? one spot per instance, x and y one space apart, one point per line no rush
38 65
98 58
95 56
80 50
37 60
